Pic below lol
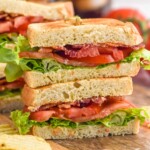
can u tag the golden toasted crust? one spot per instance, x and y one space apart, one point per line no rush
73 91
48 132
2 68
36 79
49 11
77 31
9 104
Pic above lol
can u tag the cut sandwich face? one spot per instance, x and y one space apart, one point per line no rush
97 112
74 91
10 95
10 92
15 16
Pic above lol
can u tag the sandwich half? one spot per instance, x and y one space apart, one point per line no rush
15 16
77 49
77 77
10 92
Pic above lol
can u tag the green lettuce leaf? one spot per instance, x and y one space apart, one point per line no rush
138 55
8 37
7 55
118 118
9 93
22 122
13 71
11 57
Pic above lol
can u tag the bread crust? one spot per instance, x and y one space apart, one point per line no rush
47 132
49 11
73 91
109 31
36 79
2 68
11 103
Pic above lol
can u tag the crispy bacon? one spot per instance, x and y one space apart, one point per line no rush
3 16
107 108
81 103
92 50
80 55
35 55
4 85
15 23
40 55
6 26
88 112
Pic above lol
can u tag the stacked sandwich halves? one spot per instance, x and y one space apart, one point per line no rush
81 71
15 16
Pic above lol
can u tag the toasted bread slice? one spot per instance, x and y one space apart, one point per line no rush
48 132
36 79
23 142
60 33
2 68
9 104
48 11
73 91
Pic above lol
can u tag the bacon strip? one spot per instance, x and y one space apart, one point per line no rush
73 54
39 55
4 85
15 23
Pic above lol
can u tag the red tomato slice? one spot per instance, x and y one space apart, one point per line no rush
87 113
82 112
101 59
41 116
125 13
35 19
128 13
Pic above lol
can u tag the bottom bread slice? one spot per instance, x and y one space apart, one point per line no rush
89 131
11 103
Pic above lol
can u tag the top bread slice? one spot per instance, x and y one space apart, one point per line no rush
49 11
82 31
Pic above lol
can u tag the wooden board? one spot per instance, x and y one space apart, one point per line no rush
56 146
141 96
128 142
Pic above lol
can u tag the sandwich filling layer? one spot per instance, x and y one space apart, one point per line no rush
24 58
15 23
85 55
106 111
81 111
10 89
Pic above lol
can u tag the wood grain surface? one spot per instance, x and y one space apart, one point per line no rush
140 97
